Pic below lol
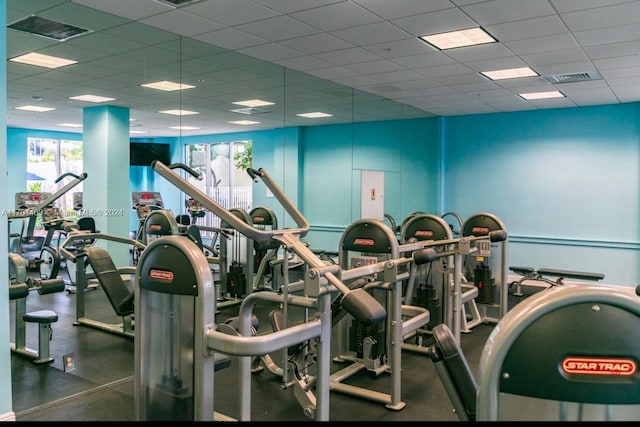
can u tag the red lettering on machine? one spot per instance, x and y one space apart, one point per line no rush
599 366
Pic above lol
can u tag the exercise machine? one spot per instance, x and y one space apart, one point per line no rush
143 202
432 285
374 348
540 275
20 286
37 249
174 360
539 361
487 268
116 282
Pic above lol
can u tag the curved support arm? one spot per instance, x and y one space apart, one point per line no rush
77 236
189 170
261 344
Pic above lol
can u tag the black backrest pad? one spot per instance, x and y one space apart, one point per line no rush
586 352
118 291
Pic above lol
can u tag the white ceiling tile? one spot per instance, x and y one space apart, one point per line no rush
542 44
602 17
373 67
401 8
303 63
130 9
270 52
530 28
348 56
501 11
183 23
288 6
614 49
337 16
563 6
278 28
317 43
435 22
475 53
554 57
230 38
619 62
379 32
609 35
230 12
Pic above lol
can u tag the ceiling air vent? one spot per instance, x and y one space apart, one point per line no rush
574 77
48 28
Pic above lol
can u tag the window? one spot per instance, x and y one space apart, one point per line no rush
225 180
48 159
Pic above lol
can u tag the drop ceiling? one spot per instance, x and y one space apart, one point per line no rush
359 60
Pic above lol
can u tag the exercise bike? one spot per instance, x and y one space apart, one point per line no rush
57 225
28 206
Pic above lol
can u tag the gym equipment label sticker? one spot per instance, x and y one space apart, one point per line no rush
599 366
165 276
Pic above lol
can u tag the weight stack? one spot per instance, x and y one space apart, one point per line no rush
482 280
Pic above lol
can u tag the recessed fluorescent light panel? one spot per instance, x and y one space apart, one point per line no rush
47 28
244 122
462 38
138 131
184 127
167 86
92 98
541 95
314 115
35 108
179 112
253 103
41 60
510 73
70 125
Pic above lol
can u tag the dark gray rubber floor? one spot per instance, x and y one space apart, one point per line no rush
101 385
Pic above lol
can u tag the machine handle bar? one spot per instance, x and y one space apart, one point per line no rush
81 235
191 171
61 177
61 192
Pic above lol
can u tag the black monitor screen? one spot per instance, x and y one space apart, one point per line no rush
143 153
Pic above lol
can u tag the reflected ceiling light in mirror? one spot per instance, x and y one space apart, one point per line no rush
244 122
184 127
167 86
541 95
314 115
92 98
137 131
35 108
178 112
253 103
70 125
462 38
41 60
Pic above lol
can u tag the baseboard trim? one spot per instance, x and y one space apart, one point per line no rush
9 416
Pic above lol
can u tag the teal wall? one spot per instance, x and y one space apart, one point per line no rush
565 182
408 151
6 406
